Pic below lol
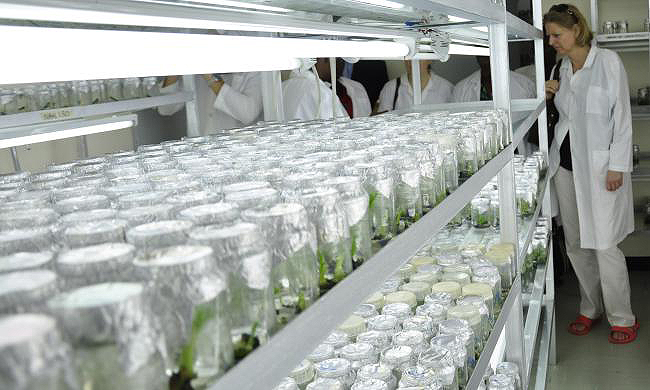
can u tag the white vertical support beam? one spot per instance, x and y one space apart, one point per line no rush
417 87
549 300
14 158
191 109
333 82
272 99
595 27
82 147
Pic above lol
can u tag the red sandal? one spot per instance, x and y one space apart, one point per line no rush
629 332
583 321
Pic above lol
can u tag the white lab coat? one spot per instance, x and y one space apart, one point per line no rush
594 107
438 90
359 96
303 101
239 103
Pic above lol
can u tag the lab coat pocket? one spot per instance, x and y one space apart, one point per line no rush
600 166
597 101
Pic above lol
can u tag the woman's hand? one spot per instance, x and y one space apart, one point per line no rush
552 86
614 180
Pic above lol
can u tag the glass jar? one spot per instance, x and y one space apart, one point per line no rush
440 360
366 310
26 291
439 297
156 235
370 384
150 86
303 373
384 323
114 89
286 227
112 352
34 354
131 88
355 204
400 305
332 234
377 338
322 352
359 354
492 277
481 215
287 383
96 264
525 201
381 198
398 359
408 199
182 306
511 370
411 338
379 372
95 89
418 376
501 382
472 316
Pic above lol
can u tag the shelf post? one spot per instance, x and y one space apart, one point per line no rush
191 109
14 158
333 82
417 87
272 99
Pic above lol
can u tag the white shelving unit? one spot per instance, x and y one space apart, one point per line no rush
269 363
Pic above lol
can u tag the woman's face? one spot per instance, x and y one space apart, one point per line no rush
562 39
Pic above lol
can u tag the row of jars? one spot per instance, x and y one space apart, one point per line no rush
284 222
426 326
75 93
536 253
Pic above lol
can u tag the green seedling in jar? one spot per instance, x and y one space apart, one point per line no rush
525 209
339 272
247 343
302 303
371 201
202 315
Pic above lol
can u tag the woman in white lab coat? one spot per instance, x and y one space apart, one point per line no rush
308 97
227 101
591 160
435 89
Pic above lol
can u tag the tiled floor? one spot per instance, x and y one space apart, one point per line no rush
591 362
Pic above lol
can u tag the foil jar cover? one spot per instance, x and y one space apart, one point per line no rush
82 203
111 262
94 232
21 261
208 214
25 240
27 218
110 314
260 197
146 214
230 243
159 234
33 354
25 291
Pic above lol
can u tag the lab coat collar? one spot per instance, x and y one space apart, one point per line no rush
591 56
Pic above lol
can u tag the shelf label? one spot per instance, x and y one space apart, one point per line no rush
65 113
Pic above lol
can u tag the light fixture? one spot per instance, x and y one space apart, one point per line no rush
63 129
468 50
456 19
241 4
381 3
142 14
481 28
100 54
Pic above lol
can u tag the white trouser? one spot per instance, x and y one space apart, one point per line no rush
602 274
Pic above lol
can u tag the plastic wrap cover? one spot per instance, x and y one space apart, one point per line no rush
190 199
88 180
26 260
178 186
14 177
261 197
375 176
287 384
85 216
25 240
146 214
245 186
221 178
33 354
94 232
48 176
294 183
116 191
18 203
25 291
110 262
27 218
159 234
82 203
208 214
325 384
74 191
286 229
329 219
230 243
109 314
141 199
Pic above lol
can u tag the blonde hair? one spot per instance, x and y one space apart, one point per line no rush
567 16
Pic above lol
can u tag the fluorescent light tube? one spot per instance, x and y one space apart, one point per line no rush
240 4
195 20
456 19
468 50
65 129
381 3
481 28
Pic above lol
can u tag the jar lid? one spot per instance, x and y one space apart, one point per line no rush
245 186
419 322
337 339
481 289
25 260
383 322
422 260
77 262
406 270
409 337
435 311
25 288
461 278
420 289
325 384
427 278
465 312
208 214
357 351
441 297
452 288
303 373
400 310
376 299
322 352
417 376
370 384
27 218
390 286
400 297
377 338
142 235
353 325
375 371
396 356
429 268
366 310
333 368
89 215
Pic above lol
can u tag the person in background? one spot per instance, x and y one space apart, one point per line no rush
308 97
226 101
397 94
590 159
351 93
373 74
478 86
